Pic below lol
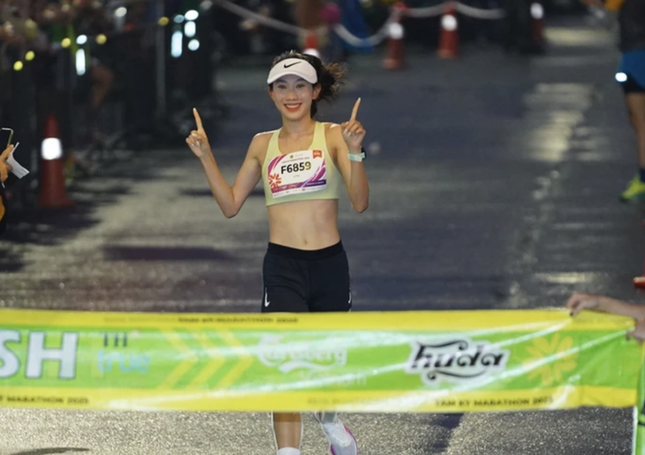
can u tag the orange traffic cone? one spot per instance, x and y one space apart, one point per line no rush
311 44
449 38
537 24
53 193
639 282
394 54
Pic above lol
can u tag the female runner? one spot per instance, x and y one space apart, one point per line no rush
301 164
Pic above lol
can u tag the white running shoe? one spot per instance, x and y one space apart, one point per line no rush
341 440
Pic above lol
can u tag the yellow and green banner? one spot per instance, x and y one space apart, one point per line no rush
439 361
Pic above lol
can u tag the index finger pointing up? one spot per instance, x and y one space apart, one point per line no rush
355 110
198 120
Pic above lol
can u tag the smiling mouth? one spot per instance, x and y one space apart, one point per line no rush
293 107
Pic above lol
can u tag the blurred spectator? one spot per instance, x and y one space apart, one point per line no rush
52 68
309 16
485 30
517 34
19 32
331 15
91 20
103 102
278 41
631 76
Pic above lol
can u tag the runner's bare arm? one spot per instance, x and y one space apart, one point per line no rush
348 137
353 173
231 198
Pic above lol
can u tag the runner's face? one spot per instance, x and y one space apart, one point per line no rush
293 96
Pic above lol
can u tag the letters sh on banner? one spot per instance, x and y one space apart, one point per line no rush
457 361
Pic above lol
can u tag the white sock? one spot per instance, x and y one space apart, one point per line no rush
289 451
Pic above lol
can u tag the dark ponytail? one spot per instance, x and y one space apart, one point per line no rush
330 76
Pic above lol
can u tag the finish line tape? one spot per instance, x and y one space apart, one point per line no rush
439 361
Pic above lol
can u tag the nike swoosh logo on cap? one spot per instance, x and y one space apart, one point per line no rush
289 66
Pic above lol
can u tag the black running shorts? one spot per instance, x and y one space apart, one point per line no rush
631 85
300 281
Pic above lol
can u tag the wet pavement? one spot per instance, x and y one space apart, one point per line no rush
494 184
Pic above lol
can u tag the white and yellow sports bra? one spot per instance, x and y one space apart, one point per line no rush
300 176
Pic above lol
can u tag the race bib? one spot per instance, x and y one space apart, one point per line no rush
295 173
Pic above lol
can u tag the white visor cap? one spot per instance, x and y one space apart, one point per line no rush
293 67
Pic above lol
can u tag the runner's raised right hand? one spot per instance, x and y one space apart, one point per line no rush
198 140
